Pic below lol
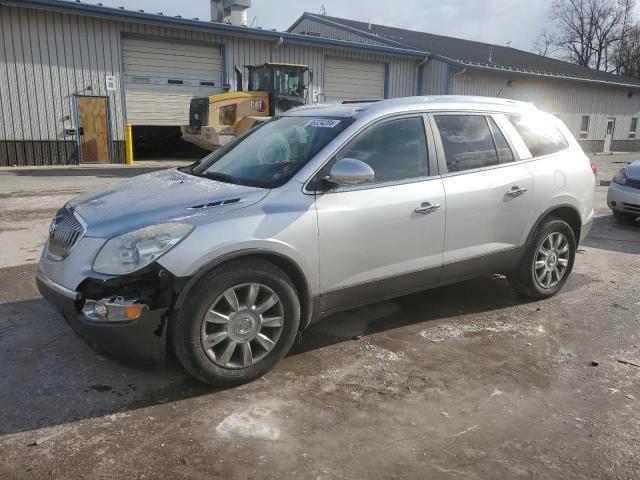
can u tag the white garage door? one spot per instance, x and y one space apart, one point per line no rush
346 79
162 76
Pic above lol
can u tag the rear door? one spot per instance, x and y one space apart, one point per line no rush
382 239
489 194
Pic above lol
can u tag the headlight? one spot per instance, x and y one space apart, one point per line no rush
620 178
134 250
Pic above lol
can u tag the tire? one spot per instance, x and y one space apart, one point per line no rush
278 323
526 279
624 217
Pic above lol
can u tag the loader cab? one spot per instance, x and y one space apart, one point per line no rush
286 84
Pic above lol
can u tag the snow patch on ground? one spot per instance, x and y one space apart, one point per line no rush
257 421
443 333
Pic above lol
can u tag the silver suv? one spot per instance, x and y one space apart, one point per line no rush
319 210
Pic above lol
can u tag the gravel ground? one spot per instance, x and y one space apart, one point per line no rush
468 381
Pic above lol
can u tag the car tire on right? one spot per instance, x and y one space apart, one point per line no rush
547 262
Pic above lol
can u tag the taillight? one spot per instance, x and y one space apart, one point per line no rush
594 167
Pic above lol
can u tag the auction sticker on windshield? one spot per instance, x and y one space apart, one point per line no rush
322 123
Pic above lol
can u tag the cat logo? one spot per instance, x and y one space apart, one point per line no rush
258 105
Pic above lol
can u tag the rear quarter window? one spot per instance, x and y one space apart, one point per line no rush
539 135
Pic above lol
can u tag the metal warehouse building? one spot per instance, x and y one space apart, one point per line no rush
601 109
73 74
68 67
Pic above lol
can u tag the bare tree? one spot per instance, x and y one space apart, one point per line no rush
588 32
545 44
626 54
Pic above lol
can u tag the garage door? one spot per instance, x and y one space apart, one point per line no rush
162 76
346 79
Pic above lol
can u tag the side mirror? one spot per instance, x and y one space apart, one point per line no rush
349 171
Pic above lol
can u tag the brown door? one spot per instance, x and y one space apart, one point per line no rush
94 131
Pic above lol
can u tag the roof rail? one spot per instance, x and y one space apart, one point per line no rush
368 100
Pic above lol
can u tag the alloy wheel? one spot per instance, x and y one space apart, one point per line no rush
551 260
242 325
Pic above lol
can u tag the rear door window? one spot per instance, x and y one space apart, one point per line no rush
467 142
504 150
539 135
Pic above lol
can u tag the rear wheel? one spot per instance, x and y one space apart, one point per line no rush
624 217
547 262
237 323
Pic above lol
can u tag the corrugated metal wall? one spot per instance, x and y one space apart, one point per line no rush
48 57
435 78
327 31
568 100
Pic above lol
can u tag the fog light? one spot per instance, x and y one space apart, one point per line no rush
115 309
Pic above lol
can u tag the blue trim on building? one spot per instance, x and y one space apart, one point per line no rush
225 68
217 27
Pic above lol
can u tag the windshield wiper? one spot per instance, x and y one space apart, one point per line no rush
221 177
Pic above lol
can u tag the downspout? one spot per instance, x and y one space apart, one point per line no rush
277 46
455 75
421 66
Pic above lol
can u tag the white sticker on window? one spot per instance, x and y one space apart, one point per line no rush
322 123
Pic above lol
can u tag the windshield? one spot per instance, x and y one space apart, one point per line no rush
269 155
288 82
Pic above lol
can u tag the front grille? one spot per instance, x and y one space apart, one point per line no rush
633 183
632 207
65 231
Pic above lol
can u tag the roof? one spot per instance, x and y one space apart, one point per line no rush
476 54
424 103
140 16
279 64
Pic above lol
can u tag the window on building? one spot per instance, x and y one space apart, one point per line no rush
539 135
584 127
467 142
634 127
395 150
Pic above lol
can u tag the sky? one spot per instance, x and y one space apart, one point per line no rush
492 21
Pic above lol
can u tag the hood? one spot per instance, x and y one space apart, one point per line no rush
158 197
632 170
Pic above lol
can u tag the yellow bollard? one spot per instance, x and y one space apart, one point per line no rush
128 143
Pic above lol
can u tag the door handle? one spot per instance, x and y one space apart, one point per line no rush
426 208
516 191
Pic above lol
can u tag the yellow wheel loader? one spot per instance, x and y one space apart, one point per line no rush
273 88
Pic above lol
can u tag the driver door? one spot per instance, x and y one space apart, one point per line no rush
385 238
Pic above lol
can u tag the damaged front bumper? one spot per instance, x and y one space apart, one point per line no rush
140 342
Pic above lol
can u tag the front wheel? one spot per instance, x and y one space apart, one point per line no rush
547 262
237 323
